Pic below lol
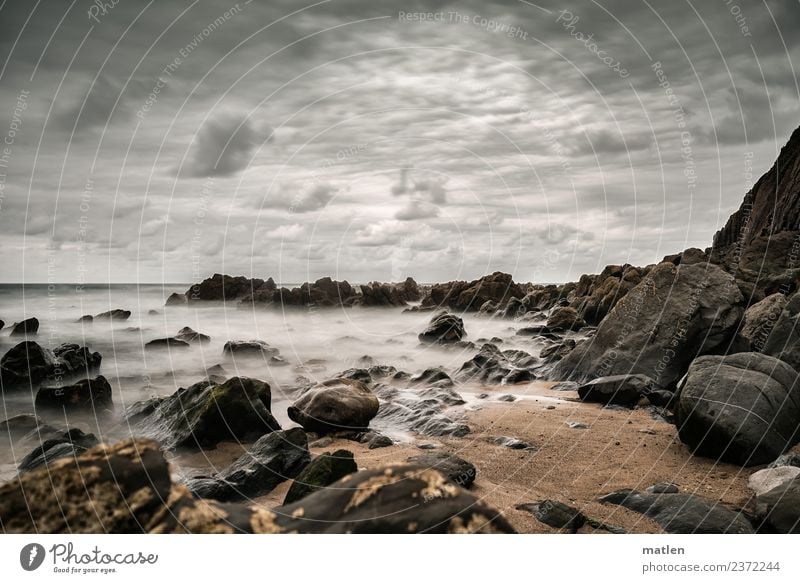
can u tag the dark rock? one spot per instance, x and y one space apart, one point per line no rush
660 398
507 398
555 514
188 335
273 459
682 513
379 440
176 299
27 364
779 508
2 324
784 340
70 443
557 351
137 411
389 294
335 405
535 331
462 296
760 319
249 349
741 408
457 470
565 319
493 366
396 499
87 395
432 376
356 374
660 326
169 343
153 312
662 489
114 315
444 328
27 327
424 417
18 426
223 288
565 386
616 390
206 413
87 318
323 471
595 296
787 459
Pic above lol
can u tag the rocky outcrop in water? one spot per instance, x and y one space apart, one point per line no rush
88 395
389 294
68 444
496 367
335 405
444 328
27 365
117 314
186 334
470 296
166 344
28 327
742 408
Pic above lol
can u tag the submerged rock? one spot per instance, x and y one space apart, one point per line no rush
186 334
117 314
70 443
27 327
493 366
682 513
169 343
323 471
444 328
743 408
27 364
249 349
176 299
90 395
335 405
273 459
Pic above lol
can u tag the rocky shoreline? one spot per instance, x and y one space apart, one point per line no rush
679 379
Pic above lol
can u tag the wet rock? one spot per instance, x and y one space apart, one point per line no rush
682 513
396 499
379 440
389 294
623 390
555 514
765 480
335 405
207 413
117 314
665 488
70 443
741 408
87 319
273 459
565 319
784 340
493 366
176 299
249 349
324 470
139 410
470 296
432 376
672 315
424 417
544 331
760 319
458 470
356 374
576 425
507 398
778 509
511 442
444 328
557 351
27 327
168 343
787 459
186 334
90 395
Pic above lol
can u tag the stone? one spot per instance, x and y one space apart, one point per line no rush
324 470
784 339
665 488
493 366
470 296
168 343
623 390
765 480
249 348
565 319
28 327
456 469
760 319
274 458
116 314
555 514
511 442
682 513
742 408
335 405
176 299
444 328
69 443
186 334
89 395
778 509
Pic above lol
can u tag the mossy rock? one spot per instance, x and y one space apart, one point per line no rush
323 471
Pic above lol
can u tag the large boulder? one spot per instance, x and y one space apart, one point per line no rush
274 458
784 340
27 327
335 405
207 413
743 408
27 364
444 328
679 513
778 509
323 471
675 314
760 319
565 318
89 395
129 490
625 389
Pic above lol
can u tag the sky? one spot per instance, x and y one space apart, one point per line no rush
375 140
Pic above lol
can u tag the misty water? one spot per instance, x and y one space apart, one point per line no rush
316 343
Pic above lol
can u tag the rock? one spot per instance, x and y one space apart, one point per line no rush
765 480
223 288
595 295
787 459
784 340
396 499
457 470
421 415
188 335
27 327
682 513
557 351
428 445
660 398
207 413
274 458
249 349
88 318
442 393
493 366
322 293
623 390
673 315
389 294
565 319
153 312
576 425
462 296
90 395
507 398
511 442
743 408
323 471
70 443
760 319
444 328
379 441
432 376
27 364
2 324
665 488
335 405
176 299
778 509
114 315
169 343
565 386
321 442
555 514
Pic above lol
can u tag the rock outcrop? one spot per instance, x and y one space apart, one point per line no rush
470 296
323 471
28 327
335 405
27 365
444 328
89 395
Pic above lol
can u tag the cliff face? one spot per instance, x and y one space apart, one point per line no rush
760 243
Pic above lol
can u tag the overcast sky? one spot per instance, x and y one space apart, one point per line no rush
166 141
